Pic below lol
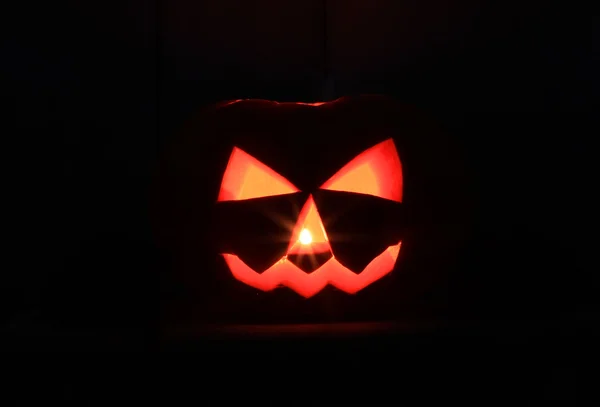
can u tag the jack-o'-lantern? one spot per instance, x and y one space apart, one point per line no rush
343 210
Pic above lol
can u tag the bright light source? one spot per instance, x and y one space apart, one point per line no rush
305 237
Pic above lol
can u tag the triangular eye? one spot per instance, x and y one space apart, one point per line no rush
246 178
376 171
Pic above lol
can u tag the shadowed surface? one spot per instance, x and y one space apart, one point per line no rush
96 93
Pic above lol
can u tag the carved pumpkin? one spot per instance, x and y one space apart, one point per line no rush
356 204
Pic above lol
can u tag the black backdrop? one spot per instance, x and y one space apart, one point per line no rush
95 90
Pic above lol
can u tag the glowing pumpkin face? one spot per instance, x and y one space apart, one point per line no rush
359 195
310 263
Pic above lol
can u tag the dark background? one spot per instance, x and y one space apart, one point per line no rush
95 90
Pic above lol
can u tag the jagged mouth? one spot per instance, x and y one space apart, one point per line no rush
332 272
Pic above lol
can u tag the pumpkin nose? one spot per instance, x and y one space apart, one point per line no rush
309 247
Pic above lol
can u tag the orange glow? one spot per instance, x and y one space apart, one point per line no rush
333 272
376 171
309 222
246 178
311 103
